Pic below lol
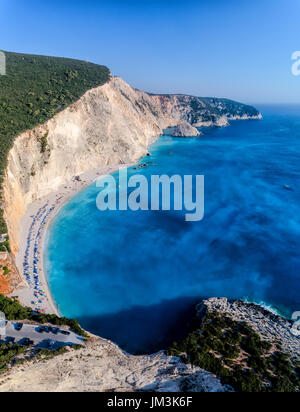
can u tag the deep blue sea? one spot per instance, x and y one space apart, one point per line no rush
133 277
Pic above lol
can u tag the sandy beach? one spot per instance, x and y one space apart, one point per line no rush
35 291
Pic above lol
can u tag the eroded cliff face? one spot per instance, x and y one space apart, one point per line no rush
102 367
110 125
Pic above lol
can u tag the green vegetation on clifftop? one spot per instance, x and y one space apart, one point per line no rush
235 353
34 90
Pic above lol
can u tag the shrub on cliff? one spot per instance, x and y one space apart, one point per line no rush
8 353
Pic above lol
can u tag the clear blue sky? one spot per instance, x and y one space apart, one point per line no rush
239 49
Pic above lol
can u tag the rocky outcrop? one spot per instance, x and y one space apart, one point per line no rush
269 326
110 125
103 367
184 129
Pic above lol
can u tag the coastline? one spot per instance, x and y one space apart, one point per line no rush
34 227
72 190
25 293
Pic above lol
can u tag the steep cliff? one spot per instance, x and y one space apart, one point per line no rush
112 124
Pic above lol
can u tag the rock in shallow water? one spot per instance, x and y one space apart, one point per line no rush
184 129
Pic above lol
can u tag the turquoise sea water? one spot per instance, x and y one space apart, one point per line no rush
133 276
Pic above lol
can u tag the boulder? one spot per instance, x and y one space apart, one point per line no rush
185 129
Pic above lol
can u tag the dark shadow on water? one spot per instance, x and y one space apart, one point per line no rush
146 330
